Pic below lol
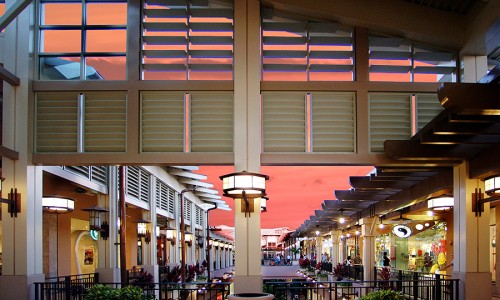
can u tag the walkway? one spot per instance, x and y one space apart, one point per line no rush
268 272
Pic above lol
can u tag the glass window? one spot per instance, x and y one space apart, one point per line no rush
92 34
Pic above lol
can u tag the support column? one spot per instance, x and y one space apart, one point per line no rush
247 131
368 236
150 263
335 247
22 242
319 248
471 263
108 249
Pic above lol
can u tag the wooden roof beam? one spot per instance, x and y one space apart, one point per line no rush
470 98
413 150
364 182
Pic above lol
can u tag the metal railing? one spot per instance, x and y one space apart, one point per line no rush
300 289
65 287
160 291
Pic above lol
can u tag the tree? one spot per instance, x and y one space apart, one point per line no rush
295 251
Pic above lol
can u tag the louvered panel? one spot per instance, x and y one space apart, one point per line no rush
284 67
331 54
165 13
428 107
390 119
435 70
211 40
56 122
330 40
333 122
210 67
434 56
391 55
83 171
170 3
165 40
161 195
105 122
144 185
199 217
218 27
299 28
211 53
189 213
164 67
99 174
212 122
279 40
330 68
385 42
133 182
226 13
164 26
162 122
171 200
165 53
390 69
284 54
284 116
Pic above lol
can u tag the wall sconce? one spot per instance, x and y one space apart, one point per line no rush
95 220
142 231
492 185
263 204
216 243
188 238
58 204
200 241
157 231
441 203
244 185
13 200
170 233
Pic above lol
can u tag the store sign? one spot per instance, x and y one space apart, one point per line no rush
401 231
94 234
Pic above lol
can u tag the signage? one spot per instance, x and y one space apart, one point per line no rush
401 231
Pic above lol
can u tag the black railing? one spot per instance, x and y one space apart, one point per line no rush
65 287
300 289
160 291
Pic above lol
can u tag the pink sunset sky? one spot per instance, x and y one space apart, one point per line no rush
294 192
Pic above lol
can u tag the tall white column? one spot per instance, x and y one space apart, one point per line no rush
150 263
22 245
247 129
108 249
335 247
319 248
368 236
471 259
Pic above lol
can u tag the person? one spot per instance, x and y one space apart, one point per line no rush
386 260
427 262
323 257
348 261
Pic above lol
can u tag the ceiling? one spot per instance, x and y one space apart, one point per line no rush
468 129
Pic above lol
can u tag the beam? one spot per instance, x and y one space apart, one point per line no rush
413 150
8 153
8 77
485 164
348 195
433 139
471 129
364 182
13 12
468 98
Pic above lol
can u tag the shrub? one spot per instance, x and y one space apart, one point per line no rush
103 292
304 263
339 271
383 295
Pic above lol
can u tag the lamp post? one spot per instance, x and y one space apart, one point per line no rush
183 234
208 242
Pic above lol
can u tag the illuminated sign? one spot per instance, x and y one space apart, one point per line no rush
401 231
94 234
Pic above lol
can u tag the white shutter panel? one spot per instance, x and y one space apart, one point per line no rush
56 122
162 123
428 107
390 119
105 122
333 119
284 122
212 122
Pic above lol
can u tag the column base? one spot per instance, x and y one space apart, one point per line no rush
248 284
109 274
19 286
474 285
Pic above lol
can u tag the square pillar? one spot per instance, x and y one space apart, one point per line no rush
368 236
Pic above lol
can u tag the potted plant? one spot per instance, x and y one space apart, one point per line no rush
385 276
322 276
339 271
102 292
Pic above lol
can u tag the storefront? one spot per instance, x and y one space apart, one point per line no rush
415 246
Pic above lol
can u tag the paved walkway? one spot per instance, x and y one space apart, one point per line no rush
268 272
